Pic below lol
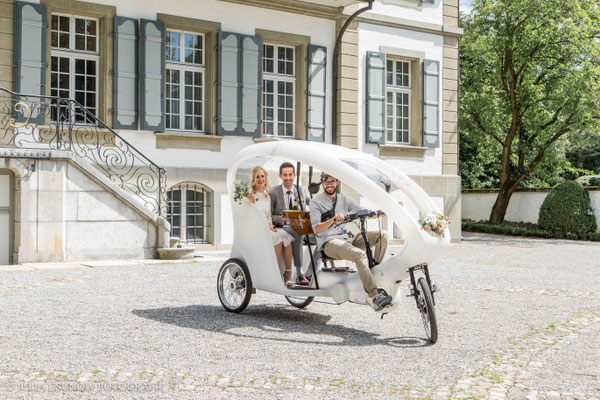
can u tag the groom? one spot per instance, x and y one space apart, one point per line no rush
287 197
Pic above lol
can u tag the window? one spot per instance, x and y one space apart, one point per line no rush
74 66
186 211
184 81
398 101
278 90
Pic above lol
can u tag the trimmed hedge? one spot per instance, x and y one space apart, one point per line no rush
526 229
567 211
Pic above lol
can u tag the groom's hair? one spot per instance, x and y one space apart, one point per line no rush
286 165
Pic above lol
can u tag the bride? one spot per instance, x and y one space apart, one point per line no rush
259 185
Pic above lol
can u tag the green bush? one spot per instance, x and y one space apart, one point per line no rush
521 229
566 211
595 181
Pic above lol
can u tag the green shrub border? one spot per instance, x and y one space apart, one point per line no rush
526 229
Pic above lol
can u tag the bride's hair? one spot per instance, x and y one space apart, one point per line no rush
253 179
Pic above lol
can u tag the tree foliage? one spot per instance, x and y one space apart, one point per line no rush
530 76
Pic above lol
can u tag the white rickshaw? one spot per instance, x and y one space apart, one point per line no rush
253 263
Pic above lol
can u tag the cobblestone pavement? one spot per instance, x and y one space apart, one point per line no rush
518 319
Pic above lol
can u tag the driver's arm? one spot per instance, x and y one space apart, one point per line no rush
323 226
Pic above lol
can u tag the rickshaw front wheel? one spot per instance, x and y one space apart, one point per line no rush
427 309
299 302
234 285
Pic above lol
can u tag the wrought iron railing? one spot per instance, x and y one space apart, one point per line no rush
47 122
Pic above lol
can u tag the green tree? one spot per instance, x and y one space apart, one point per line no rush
530 75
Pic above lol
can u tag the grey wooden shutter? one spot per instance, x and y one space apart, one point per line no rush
152 75
431 103
375 116
429 1
125 73
250 85
316 89
239 85
228 85
31 24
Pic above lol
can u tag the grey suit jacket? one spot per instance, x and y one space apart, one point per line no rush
278 202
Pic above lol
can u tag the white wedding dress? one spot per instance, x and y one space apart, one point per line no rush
263 201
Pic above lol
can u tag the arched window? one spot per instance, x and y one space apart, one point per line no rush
187 205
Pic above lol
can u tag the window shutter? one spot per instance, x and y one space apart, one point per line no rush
239 85
317 73
251 85
431 103
228 87
152 75
125 73
375 116
30 40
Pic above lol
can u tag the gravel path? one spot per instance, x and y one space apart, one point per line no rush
518 318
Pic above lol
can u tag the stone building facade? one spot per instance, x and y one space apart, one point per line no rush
188 84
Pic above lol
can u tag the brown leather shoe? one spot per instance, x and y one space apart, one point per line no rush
301 280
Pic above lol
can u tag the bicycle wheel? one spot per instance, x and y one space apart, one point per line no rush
299 302
425 304
234 285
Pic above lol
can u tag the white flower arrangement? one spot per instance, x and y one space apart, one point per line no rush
241 191
434 224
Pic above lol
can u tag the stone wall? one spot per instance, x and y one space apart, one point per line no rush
62 213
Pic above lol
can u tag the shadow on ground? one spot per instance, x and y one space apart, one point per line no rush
273 323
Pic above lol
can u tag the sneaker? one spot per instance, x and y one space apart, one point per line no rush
381 301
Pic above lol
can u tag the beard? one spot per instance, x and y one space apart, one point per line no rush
329 190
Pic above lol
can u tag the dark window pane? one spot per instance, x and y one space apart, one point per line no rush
79 25
79 82
198 93
91 43
64 82
198 123
197 108
64 41
90 83
54 63
91 27
80 66
90 100
197 57
80 97
189 78
176 195
91 67
189 90
54 39
64 24
54 23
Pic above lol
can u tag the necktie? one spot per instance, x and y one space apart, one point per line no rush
290 205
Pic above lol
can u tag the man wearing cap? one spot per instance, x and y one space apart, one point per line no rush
327 215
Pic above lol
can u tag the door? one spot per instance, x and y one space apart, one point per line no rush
7 182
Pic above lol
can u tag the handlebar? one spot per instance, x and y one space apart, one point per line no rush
362 214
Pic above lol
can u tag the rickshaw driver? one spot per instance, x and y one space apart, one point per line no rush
333 238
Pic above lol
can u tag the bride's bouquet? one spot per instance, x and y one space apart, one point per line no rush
241 191
434 224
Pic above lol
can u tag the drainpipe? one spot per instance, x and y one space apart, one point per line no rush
336 53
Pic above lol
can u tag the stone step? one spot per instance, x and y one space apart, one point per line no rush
173 241
175 253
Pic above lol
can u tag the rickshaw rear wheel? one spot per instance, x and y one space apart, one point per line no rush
427 309
299 302
234 285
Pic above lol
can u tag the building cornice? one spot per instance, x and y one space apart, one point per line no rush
401 23
294 6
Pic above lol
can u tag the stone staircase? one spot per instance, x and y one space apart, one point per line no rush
175 251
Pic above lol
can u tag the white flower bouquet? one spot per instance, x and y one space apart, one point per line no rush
434 224
241 191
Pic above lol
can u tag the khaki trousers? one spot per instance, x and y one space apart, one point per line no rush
353 249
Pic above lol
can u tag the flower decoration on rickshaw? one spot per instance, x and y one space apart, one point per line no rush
241 191
435 224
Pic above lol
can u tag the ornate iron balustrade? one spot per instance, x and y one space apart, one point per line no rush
47 122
